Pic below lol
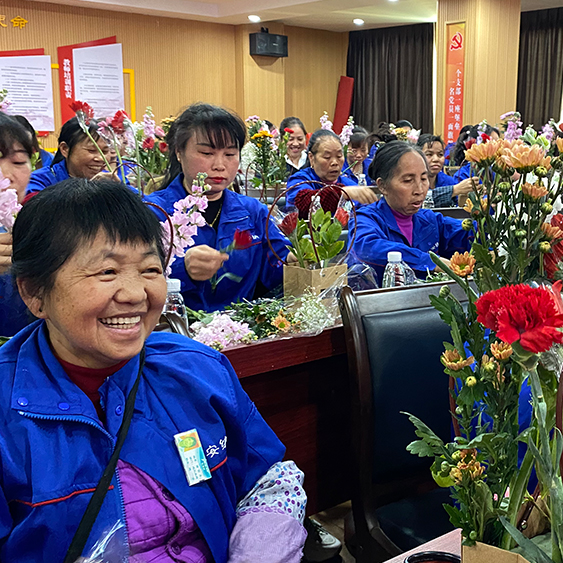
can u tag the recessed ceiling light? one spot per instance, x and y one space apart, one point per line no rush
254 19
393 0
359 21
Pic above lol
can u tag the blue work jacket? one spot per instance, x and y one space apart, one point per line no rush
377 234
347 172
47 176
13 311
46 158
442 192
253 264
308 174
53 448
463 172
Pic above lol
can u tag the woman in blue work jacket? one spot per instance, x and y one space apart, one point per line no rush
208 139
199 476
326 158
398 222
76 157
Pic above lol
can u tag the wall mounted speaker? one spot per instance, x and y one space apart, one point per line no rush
268 45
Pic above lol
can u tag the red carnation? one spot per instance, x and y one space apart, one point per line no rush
242 240
289 223
290 131
148 144
485 137
163 146
85 108
522 313
342 216
469 143
117 121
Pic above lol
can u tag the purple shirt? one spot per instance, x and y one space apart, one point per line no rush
160 529
404 222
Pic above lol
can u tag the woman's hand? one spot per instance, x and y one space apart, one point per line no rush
202 262
445 261
465 186
5 252
361 195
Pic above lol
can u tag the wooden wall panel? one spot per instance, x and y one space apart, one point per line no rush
177 61
491 57
317 60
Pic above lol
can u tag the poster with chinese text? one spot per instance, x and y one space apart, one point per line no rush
455 76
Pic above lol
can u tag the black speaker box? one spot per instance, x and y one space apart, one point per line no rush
268 45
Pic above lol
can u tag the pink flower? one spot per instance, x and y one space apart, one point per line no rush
159 132
9 208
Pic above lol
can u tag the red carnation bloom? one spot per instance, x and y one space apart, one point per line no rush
148 144
522 313
485 137
117 121
242 240
342 216
289 223
288 130
469 143
163 146
85 108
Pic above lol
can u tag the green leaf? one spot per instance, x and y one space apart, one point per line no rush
420 448
317 219
456 516
443 306
229 276
334 231
429 437
532 552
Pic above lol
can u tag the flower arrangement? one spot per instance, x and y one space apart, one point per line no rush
4 102
266 155
150 139
502 341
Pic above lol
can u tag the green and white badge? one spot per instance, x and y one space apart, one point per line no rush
192 456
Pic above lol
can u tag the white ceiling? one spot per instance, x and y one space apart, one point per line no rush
333 15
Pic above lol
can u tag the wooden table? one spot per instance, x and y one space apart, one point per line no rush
451 543
300 386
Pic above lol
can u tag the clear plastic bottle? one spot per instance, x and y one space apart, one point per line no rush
174 300
428 202
397 272
362 180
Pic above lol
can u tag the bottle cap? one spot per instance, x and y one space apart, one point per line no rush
173 285
362 176
394 257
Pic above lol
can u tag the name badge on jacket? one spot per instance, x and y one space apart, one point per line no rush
192 456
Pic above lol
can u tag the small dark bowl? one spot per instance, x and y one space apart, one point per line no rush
433 557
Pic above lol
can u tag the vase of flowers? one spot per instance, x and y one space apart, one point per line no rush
505 353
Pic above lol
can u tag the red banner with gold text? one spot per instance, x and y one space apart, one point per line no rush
455 77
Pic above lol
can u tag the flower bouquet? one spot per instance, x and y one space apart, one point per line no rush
504 350
265 156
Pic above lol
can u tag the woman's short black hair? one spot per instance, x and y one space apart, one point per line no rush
404 123
221 127
12 132
429 139
72 134
358 140
318 136
52 225
290 123
387 158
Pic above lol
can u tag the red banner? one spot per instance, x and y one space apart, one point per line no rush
455 76
24 53
66 73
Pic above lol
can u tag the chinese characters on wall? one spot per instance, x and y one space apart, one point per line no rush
17 22
455 71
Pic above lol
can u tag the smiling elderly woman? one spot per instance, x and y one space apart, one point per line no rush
397 222
199 475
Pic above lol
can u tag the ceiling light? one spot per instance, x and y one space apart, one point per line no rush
359 21
393 0
254 19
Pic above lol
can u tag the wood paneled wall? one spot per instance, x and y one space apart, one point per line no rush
491 57
177 62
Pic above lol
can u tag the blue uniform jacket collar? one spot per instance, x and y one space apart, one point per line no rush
50 392
60 171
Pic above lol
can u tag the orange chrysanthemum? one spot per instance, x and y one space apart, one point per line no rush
501 350
463 264
483 153
525 158
469 205
551 232
535 191
559 143
452 360
281 322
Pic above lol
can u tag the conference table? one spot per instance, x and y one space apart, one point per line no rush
450 543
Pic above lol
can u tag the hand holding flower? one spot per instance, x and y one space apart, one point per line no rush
5 252
202 262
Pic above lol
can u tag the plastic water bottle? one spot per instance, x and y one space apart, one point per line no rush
362 180
397 272
428 202
174 300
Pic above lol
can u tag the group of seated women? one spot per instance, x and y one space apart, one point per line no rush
200 475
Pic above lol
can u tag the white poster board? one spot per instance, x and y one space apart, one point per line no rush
98 78
30 89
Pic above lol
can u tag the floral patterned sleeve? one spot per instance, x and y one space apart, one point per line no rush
269 525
